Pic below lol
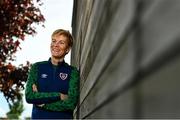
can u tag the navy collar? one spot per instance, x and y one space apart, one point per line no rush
59 63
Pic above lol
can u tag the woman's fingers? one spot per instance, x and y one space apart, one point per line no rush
34 88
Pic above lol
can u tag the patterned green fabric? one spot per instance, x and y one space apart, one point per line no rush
32 79
73 94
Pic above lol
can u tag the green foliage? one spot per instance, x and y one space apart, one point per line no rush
16 109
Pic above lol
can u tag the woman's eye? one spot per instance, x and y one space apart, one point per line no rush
53 41
61 42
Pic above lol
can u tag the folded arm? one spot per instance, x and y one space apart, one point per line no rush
73 94
38 97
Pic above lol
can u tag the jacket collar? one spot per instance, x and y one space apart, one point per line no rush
59 63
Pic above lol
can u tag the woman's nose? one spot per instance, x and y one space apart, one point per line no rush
55 44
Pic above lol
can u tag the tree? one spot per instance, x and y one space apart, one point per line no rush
17 19
16 109
12 81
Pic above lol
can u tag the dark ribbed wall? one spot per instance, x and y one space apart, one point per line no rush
128 53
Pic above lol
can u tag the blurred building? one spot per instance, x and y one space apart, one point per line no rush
128 53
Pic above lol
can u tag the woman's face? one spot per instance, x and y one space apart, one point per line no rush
59 46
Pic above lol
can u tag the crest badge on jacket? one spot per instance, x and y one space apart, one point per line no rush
63 76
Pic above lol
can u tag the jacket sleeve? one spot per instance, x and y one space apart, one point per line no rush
73 94
38 97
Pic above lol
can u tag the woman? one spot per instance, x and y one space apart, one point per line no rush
53 86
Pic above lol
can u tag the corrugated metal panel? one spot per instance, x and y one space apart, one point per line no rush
128 55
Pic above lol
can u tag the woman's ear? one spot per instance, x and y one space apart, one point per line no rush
67 51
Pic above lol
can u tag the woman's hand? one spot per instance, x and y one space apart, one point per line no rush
34 88
63 96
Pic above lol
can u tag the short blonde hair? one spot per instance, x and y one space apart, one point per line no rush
65 33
